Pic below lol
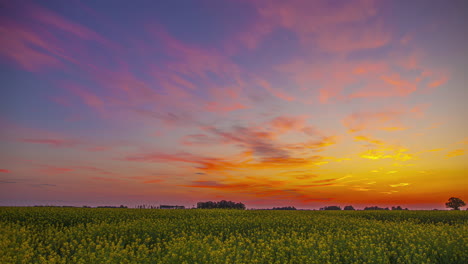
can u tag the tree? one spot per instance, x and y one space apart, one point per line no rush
221 204
284 208
331 207
455 203
348 208
375 208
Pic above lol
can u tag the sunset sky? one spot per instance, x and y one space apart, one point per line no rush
269 103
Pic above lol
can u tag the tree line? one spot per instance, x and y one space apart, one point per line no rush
220 205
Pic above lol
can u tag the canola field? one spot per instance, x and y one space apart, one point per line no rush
91 235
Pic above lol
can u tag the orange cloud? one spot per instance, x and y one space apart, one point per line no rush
399 184
387 153
436 83
260 187
379 149
454 153
314 144
287 123
367 139
154 181
241 162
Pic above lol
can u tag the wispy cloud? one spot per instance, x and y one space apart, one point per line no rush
454 153
402 184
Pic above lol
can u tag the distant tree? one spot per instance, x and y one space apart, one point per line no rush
221 205
349 208
331 207
455 203
375 208
397 208
284 208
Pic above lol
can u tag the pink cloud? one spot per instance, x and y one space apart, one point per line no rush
382 120
54 170
51 142
287 123
219 107
99 148
318 22
5 171
16 42
275 92
106 179
342 39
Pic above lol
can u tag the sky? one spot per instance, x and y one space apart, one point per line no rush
269 103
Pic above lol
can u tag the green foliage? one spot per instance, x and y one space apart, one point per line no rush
90 235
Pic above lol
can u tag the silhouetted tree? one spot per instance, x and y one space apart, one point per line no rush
331 207
455 203
221 204
284 208
375 208
397 208
349 208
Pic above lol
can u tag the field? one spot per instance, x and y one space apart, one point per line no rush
90 235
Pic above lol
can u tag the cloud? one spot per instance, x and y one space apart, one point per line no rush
259 187
154 181
241 162
5 171
275 91
378 149
5 182
454 153
320 22
38 39
260 142
94 170
199 140
283 124
350 39
380 120
43 185
51 142
317 145
99 148
392 152
399 184
369 140
219 107
107 179
54 170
